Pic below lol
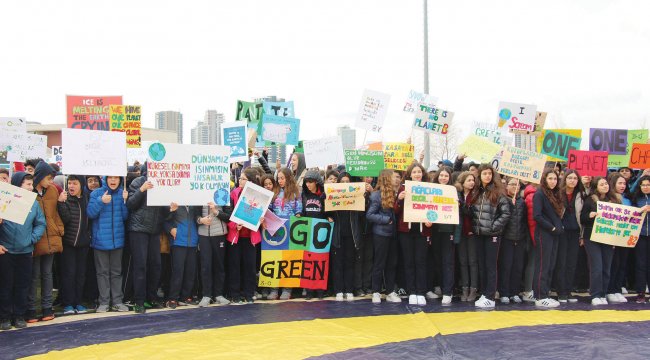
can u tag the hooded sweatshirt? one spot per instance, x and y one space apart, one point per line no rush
73 212
108 219
17 238
313 204
51 241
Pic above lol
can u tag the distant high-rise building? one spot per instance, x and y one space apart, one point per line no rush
208 131
275 151
348 137
170 120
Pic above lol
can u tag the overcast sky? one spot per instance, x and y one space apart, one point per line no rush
587 63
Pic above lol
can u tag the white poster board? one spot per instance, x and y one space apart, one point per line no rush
23 146
94 152
323 152
253 203
15 203
516 117
372 110
11 124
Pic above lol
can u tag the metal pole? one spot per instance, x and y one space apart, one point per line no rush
427 146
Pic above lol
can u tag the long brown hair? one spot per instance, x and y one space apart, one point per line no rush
493 191
409 170
610 196
446 169
553 195
461 180
291 190
385 186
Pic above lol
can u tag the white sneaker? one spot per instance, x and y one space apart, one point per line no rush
376 298
392 297
547 303
504 300
446 300
413 300
205 301
529 296
273 295
349 297
604 301
120 308
596 301
612 299
286 294
431 295
102 309
422 301
223 301
621 298
624 291
554 301
339 296
484 303
516 299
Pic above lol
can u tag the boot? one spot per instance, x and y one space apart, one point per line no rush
472 294
465 294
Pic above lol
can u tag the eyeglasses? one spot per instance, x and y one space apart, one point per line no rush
645 185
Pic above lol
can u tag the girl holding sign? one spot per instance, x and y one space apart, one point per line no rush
467 246
619 261
641 199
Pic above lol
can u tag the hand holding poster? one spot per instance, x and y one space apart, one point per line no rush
432 119
588 163
281 130
253 202
617 224
364 162
15 203
513 116
429 202
92 152
345 196
323 152
126 118
479 149
557 145
90 112
234 135
372 110
398 156
522 164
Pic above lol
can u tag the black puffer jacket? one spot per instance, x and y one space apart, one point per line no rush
143 218
488 219
75 221
516 229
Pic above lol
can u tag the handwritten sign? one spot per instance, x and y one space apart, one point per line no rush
279 108
514 116
432 119
23 146
92 152
127 118
251 112
479 149
557 145
11 124
540 121
15 203
613 141
398 156
491 132
323 152
364 162
588 163
429 202
522 164
138 154
633 137
415 98
640 156
297 255
372 110
281 130
345 196
90 112
234 135
57 155
253 202
617 224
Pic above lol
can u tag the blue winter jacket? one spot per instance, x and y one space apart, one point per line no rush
20 239
108 219
642 201
184 221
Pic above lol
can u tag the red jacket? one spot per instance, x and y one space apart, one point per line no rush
529 192
233 234
402 226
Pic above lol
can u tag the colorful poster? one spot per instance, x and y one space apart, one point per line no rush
345 196
415 98
398 156
513 116
522 164
93 152
490 132
588 163
249 111
127 118
617 224
297 256
640 156
614 141
234 135
572 132
57 156
540 121
253 202
432 119
479 149
364 162
272 223
90 112
279 108
280 130
557 145
323 152
372 110
188 174
429 202
633 137
23 146
15 203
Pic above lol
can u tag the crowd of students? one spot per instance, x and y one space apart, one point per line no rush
102 245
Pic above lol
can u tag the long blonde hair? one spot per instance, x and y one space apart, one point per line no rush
385 186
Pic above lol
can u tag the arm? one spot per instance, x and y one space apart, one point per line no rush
458 163
504 212
135 195
64 212
94 205
265 165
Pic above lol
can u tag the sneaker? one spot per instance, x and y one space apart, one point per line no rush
640 299
68 310
171 304
309 295
431 295
273 295
505 300
349 296
80 309
20 323
516 299
612 299
484 303
250 301
31 317
422 301
393 298
238 302
205 301
286 294
554 301
528 296
256 296
223 301
339 296
186 302
437 291
139 309
413 300
572 299
359 293
604 301
5 324
153 305
621 298
401 292
102 309
376 298
547 303
120 308
446 300
624 291
596 301
48 314
562 299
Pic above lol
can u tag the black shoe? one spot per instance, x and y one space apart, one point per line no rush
320 294
139 309
155 305
5 324
20 323
172 304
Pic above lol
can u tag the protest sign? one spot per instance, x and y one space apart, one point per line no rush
415 98
94 152
127 118
479 149
617 224
613 141
279 108
188 174
11 124
90 112
272 223
253 202
57 156
490 132
557 145
398 156
23 146
522 164
15 203
513 116
588 163
345 196
372 110
432 120
297 255
323 152
528 142
540 121
429 202
640 156
138 154
364 162
234 135
633 137
281 130
249 111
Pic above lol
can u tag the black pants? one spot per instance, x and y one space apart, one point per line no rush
512 256
212 250
488 253
145 251
434 261
600 264
241 269
15 280
414 250
618 270
183 272
91 290
544 263
642 260
73 274
363 268
565 264
343 265
384 263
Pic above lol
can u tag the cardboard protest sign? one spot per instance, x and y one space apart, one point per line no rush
279 108
429 202
514 116
479 149
364 162
557 145
614 141
127 118
251 112
432 119
528 142
10 124
588 163
94 152
617 224
372 110
491 132
188 174
15 203
640 156
522 164
345 196
281 130
414 98
577 133
22 146
297 255
540 121
57 156
90 112
633 137
323 152
253 202
398 156
234 135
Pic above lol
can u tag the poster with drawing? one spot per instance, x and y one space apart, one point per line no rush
253 202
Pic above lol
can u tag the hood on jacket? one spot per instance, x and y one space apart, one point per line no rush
312 175
104 184
17 178
143 169
448 163
41 171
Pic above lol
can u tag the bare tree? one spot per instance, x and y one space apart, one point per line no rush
443 147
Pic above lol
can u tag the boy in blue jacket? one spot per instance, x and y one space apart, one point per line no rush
107 209
17 244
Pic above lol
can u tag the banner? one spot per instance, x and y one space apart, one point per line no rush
323 152
640 156
90 112
633 137
432 119
429 202
94 152
572 132
372 110
415 98
364 162
520 117
522 164
617 224
345 196
557 145
540 121
479 149
57 156
127 118
188 174
281 130
279 108
253 202
588 163
15 203
398 156
234 135
613 141
22 146
298 255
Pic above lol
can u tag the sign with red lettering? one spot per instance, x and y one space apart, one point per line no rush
126 118
90 112
640 156
588 163
517 117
